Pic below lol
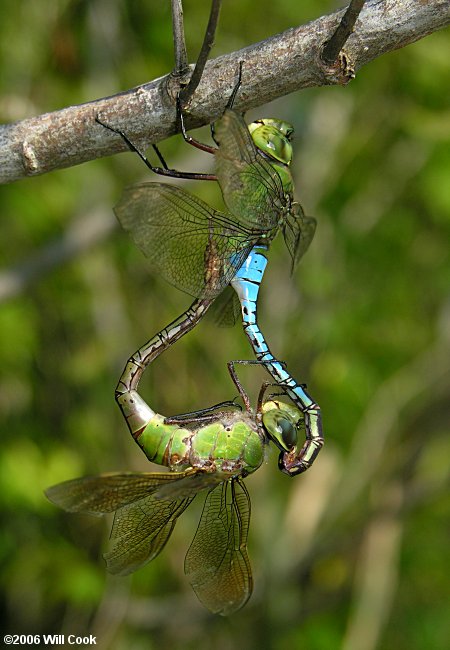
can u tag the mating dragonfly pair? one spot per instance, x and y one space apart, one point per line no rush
205 252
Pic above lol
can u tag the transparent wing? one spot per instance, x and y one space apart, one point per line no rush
217 563
298 232
96 495
191 245
226 310
251 188
140 531
146 505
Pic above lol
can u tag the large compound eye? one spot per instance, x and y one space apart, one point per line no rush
288 432
271 140
281 429
273 143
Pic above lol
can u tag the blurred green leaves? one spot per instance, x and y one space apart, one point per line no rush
364 321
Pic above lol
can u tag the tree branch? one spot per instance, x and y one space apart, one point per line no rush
277 66
179 42
207 44
336 43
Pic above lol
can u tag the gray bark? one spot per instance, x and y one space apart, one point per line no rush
277 66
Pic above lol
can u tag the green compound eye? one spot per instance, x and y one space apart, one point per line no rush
288 432
272 137
279 125
281 429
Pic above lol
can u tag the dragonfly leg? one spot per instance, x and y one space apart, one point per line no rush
135 410
262 392
160 156
231 101
208 414
189 139
237 383
246 283
260 362
162 171
165 170
236 87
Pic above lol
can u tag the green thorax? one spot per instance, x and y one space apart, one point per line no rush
273 138
232 446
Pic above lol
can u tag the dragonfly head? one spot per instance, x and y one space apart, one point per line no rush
273 138
281 422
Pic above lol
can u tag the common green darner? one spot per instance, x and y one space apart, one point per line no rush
211 449
202 251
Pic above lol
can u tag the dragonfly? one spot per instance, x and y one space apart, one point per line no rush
202 251
212 449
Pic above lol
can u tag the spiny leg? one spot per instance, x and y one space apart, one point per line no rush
192 141
202 414
162 171
232 99
246 283
188 138
208 414
237 381
165 170
236 87
262 392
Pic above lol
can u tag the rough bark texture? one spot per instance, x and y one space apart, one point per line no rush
275 67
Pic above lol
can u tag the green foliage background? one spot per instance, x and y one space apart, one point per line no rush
353 554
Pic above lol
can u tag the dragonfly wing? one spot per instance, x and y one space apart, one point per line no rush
96 495
298 232
146 505
189 486
226 310
217 563
251 187
140 531
191 245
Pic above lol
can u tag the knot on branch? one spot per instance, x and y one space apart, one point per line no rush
30 161
341 71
